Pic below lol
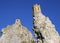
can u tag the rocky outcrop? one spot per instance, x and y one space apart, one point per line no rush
43 27
45 31
16 33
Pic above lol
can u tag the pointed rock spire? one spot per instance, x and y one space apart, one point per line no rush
18 22
36 9
43 25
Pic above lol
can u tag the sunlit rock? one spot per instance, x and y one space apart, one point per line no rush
44 30
43 27
16 33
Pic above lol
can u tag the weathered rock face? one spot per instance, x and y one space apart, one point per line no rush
43 27
44 30
16 33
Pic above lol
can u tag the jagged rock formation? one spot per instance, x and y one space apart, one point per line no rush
16 33
44 29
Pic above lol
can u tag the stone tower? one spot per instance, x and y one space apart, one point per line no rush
44 29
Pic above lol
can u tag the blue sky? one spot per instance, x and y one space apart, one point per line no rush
22 9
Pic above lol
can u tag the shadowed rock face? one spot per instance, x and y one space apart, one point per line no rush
16 33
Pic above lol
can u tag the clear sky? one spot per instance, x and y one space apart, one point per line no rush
22 9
